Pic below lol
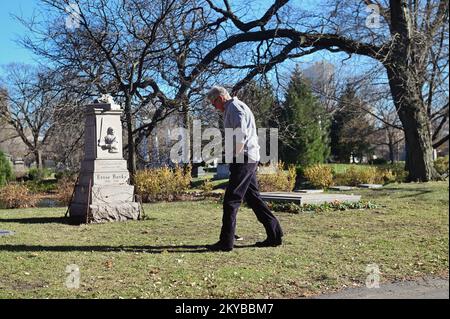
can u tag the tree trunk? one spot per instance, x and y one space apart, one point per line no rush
391 154
391 147
130 139
416 125
38 158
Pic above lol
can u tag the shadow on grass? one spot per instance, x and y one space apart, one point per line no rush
132 249
39 220
51 220
413 192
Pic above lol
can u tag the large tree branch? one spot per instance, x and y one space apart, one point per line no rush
252 24
441 141
264 68
304 40
439 128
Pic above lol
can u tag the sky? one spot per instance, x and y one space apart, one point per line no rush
11 30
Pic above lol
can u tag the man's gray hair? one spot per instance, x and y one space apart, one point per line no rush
217 91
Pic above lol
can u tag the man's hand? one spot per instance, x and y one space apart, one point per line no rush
239 148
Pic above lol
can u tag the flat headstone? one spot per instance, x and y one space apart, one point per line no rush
341 188
370 185
302 198
6 232
309 191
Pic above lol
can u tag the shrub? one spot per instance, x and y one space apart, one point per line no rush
361 175
281 181
162 183
6 173
65 189
207 186
17 196
300 170
66 174
387 176
38 174
319 175
441 165
42 186
356 175
399 172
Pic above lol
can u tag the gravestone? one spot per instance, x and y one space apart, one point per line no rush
19 168
103 192
371 186
342 188
304 198
223 171
309 191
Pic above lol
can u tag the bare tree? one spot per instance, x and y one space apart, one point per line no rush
34 106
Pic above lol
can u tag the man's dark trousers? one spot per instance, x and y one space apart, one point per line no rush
243 185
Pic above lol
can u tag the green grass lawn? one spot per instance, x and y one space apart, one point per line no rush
164 255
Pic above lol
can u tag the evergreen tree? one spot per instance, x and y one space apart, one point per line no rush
261 100
350 128
6 173
305 124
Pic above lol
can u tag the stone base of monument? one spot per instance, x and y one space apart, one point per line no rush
302 199
119 212
104 203
106 212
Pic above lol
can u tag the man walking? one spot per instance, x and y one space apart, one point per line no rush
243 183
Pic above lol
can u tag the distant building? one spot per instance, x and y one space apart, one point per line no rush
320 73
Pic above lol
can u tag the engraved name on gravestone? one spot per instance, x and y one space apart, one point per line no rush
103 192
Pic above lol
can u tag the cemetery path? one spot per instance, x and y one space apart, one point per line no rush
426 288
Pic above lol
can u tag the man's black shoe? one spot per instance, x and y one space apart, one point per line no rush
269 243
218 247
